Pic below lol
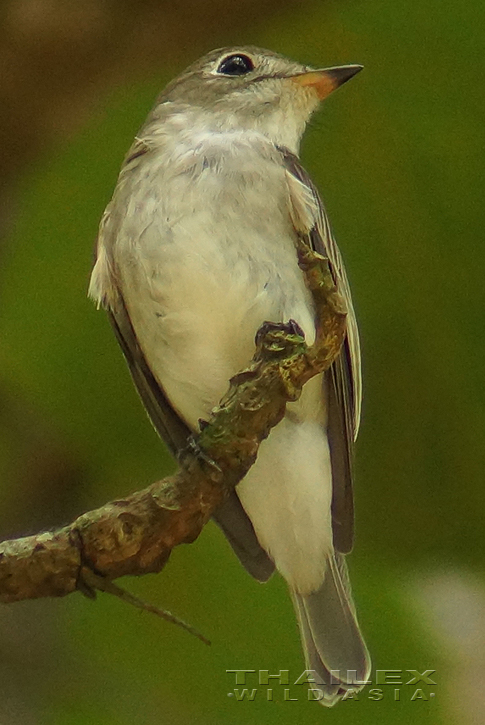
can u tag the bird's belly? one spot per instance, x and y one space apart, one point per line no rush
287 494
198 306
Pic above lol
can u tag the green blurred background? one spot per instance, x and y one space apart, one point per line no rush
398 155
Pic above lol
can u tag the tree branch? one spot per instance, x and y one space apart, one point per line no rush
136 535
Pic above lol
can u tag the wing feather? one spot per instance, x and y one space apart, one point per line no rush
343 380
166 421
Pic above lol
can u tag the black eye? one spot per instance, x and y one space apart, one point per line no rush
236 65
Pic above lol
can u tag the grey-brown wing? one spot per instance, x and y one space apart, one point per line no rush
168 424
343 380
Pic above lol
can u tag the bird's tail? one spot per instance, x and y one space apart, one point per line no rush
335 652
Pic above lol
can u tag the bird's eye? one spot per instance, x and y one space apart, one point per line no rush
235 65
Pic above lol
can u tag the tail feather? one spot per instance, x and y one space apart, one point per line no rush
332 642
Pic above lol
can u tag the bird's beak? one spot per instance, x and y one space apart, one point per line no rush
326 80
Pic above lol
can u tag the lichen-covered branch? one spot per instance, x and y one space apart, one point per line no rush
136 534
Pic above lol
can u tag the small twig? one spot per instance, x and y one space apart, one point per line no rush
105 585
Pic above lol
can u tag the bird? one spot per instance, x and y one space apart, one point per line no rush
196 249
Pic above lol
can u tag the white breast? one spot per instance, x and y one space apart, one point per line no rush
205 259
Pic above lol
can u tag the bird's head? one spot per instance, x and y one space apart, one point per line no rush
247 88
